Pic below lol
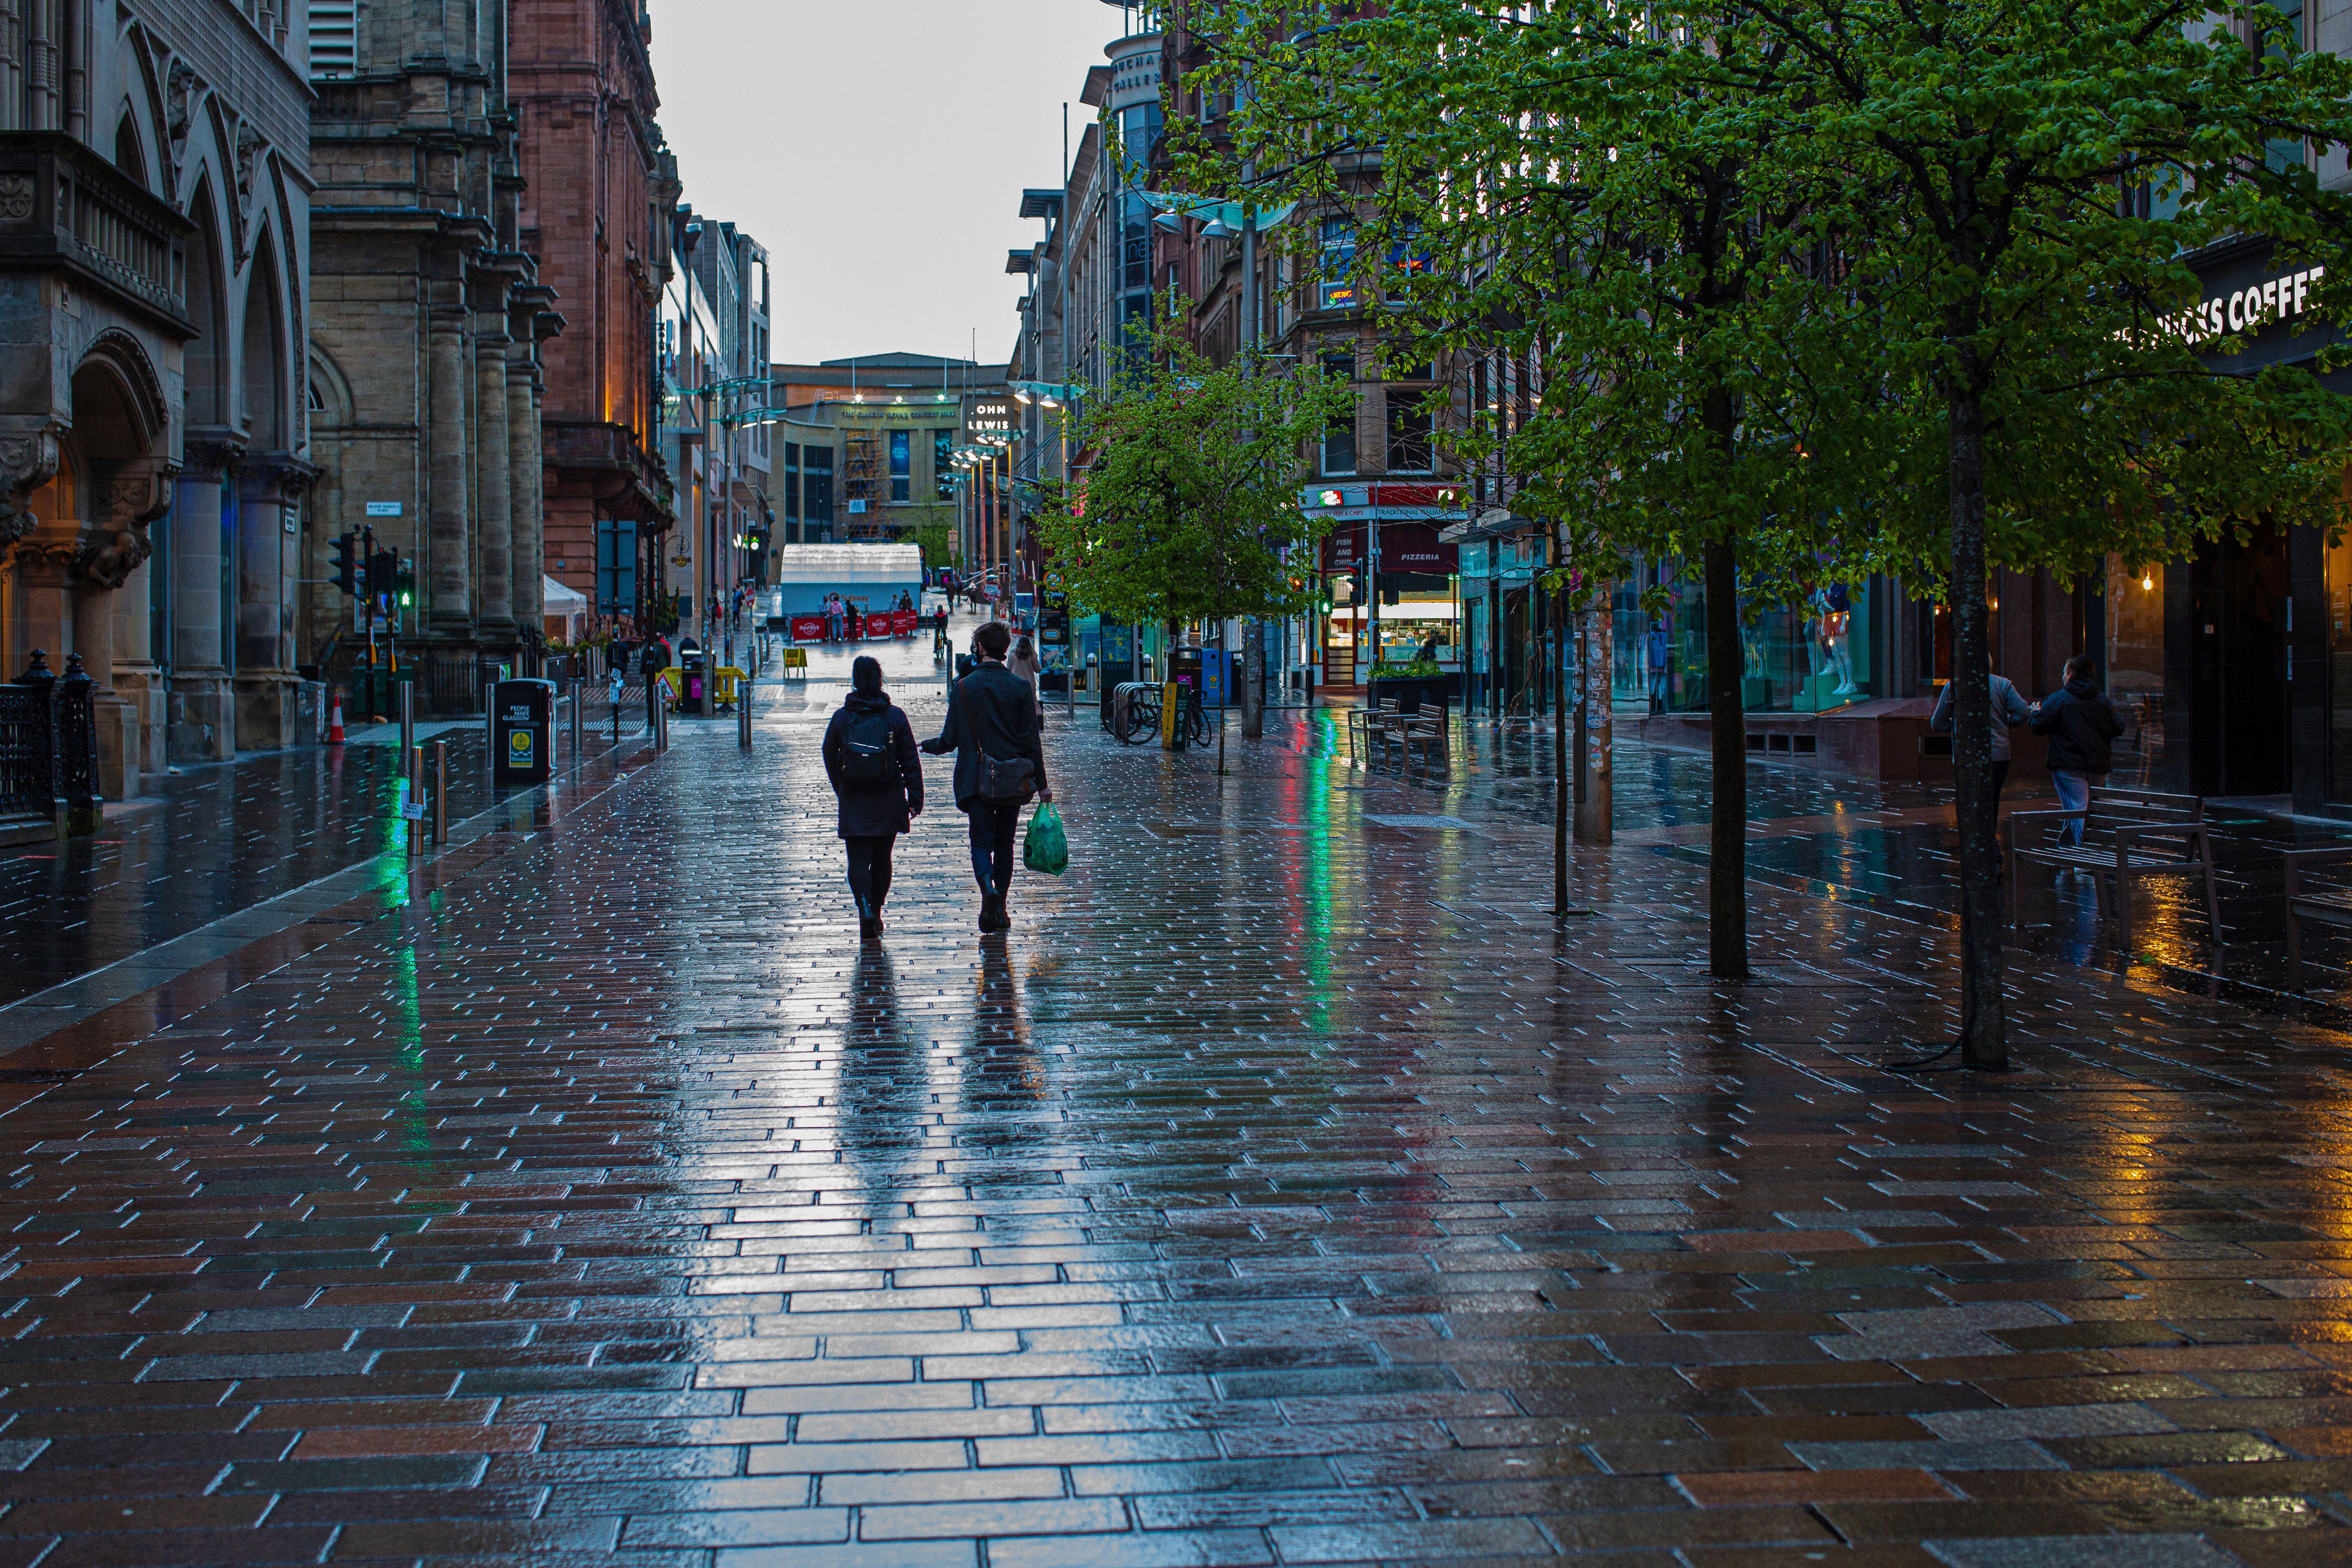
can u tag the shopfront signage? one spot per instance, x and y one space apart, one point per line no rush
383 508
2249 308
989 418
1404 547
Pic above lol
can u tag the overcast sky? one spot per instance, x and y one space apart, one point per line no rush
878 149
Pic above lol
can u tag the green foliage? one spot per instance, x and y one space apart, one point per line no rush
1190 506
935 532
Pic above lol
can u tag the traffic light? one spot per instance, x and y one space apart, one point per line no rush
346 548
404 585
380 572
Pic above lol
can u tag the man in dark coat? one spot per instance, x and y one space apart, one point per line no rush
873 812
2082 721
992 716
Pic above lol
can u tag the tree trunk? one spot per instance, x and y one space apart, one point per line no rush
1983 1037
1561 784
1252 679
1726 861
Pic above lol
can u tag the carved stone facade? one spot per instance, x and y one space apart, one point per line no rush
155 235
426 382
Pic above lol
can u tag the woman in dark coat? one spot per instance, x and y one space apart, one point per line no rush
869 755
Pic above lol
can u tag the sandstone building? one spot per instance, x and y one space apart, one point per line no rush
426 330
598 197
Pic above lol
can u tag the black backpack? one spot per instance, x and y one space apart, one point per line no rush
866 759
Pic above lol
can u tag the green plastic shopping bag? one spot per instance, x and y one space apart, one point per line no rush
1045 848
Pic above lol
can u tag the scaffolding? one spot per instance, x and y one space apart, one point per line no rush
862 486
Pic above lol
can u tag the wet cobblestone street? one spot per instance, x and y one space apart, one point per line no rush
1288 1187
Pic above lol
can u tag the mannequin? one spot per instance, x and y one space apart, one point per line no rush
1836 634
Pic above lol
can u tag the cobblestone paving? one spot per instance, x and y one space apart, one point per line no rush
1288 1187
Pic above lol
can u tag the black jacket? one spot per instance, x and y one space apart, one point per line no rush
870 811
992 711
2080 722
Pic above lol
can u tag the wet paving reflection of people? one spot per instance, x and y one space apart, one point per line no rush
886 1084
1004 1072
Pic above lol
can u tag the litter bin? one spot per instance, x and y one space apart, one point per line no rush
694 682
523 731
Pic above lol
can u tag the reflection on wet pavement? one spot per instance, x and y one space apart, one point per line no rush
1288 1187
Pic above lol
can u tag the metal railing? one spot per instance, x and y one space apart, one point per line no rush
48 749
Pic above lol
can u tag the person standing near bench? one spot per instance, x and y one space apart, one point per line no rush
869 755
2009 710
2082 723
992 728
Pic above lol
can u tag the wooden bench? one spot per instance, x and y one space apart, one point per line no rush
1426 726
2119 828
2330 904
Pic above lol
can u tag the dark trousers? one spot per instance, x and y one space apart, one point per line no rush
869 870
994 823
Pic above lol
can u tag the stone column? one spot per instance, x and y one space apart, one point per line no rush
110 628
529 524
494 602
200 714
269 488
27 460
448 545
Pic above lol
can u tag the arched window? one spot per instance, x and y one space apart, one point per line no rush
207 358
265 356
128 156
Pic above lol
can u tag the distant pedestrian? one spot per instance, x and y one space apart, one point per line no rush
2082 723
2009 710
650 664
1658 655
992 728
878 778
1024 663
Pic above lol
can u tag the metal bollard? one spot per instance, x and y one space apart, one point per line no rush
743 714
661 726
579 714
407 717
440 791
413 759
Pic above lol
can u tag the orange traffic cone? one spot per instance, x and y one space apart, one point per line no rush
335 728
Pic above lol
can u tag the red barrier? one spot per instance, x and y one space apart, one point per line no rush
902 623
808 629
877 629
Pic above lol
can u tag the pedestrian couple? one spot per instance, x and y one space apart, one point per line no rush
2080 721
870 757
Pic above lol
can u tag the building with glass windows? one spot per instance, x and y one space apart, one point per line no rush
865 449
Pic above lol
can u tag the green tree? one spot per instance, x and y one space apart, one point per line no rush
1606 199
2023 181
934 529
1191 512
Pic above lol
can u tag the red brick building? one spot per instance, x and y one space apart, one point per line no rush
597 196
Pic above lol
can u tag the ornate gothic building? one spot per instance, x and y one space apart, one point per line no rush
154 231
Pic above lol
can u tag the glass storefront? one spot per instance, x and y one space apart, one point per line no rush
1807 658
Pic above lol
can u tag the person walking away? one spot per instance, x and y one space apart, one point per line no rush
2009 710
2082 723
992 728
650 664
878 778
1025 664
1659 653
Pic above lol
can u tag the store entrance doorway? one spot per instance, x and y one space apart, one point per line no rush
2239 617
